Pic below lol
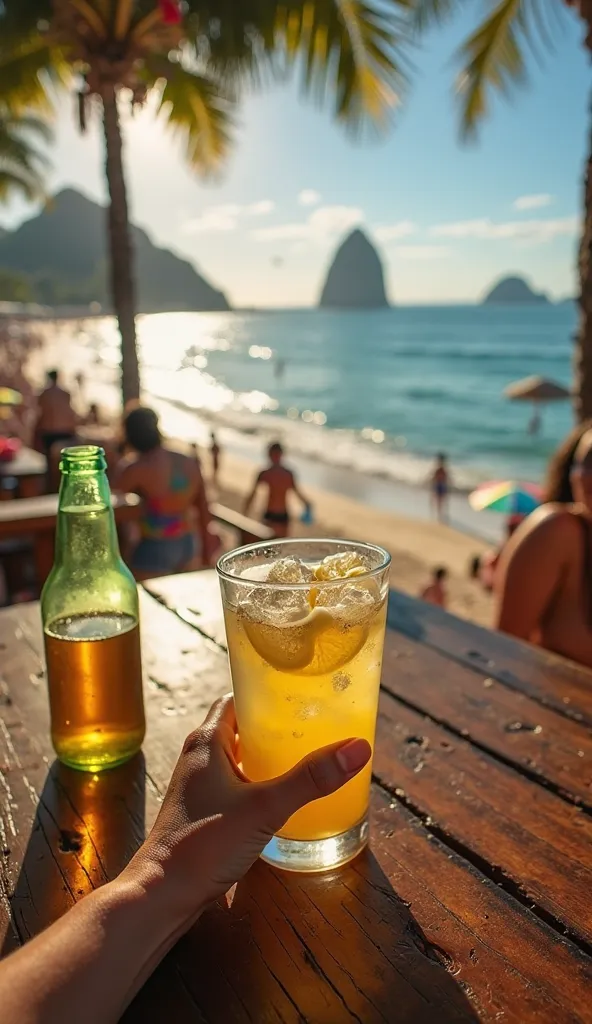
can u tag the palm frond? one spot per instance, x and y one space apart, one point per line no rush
425 13
21 162
235 40
14 181
20 18
29 71
195 108
351 50
493 59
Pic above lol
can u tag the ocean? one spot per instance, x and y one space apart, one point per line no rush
377 391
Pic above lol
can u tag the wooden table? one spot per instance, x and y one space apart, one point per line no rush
30 469
36 518
473 901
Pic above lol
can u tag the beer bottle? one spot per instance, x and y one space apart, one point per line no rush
89 608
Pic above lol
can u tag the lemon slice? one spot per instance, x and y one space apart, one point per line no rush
334 648
316 645
288 648
339 567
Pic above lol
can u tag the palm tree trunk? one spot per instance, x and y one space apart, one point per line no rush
123 291
583 353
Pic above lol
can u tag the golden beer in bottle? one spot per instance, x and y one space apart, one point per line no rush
89 608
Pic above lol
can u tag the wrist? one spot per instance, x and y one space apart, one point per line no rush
153 880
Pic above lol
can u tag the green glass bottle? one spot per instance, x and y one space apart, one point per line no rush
89 608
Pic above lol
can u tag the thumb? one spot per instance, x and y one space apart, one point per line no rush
316 775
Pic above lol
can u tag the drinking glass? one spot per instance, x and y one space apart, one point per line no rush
305 622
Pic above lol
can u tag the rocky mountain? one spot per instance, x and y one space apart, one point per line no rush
61 254
355 279
513 291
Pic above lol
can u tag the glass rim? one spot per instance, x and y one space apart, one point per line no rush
80 459
278 542
82 451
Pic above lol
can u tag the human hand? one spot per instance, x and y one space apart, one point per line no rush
214 823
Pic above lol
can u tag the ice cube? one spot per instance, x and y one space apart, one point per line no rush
348 602
289 570
275 607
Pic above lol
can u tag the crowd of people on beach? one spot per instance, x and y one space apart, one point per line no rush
540 575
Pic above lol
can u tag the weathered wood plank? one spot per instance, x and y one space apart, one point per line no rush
196 597
548 747
403 934
333 948
522 835
545 677
25 516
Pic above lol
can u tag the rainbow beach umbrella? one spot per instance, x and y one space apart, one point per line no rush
510 496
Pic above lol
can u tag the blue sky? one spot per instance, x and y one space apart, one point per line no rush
449 218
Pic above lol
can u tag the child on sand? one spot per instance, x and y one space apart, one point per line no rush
435 592
279 481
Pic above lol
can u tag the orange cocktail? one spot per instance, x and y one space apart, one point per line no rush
305 623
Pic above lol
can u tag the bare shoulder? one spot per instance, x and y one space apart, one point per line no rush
127 461
125 471
550 530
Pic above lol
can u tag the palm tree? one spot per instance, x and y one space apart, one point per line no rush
21 163
195 57
493 59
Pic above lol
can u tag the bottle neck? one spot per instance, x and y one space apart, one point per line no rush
86 537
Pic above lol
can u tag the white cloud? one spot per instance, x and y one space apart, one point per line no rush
213 218
309 197
390 232
325 222
259 209
422 252
530 231
225 217
533 202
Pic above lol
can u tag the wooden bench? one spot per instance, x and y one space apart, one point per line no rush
29 468
248 529
35 518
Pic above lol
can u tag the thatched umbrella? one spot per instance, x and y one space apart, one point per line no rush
537 390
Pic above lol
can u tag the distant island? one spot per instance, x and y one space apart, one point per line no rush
514 291
59 258
355 279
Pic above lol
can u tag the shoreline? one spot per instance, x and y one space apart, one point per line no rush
346 502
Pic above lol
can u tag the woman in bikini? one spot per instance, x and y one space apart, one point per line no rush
174 525
544 583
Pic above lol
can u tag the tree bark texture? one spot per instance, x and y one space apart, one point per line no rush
121 256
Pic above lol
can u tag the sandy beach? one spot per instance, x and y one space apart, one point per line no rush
415 546
415 543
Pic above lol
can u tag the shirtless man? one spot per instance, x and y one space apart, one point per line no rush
279 482
56 419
